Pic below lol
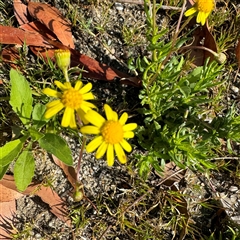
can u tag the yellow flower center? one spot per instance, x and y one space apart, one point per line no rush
72 98
112 132
205 6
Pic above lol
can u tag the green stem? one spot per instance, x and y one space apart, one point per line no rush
154 58
65 73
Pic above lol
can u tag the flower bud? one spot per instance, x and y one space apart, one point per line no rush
62 58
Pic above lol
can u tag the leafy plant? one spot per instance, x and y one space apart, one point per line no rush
180 122
33 130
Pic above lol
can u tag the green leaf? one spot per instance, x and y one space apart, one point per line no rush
10 151
3 170
21 96
55 145
35 134
24 170
38 115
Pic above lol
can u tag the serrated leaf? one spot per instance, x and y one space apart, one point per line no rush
24 170
10 151
38 115
20 96
55 145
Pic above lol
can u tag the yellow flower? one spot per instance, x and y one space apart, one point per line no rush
203 8
111 134
72 99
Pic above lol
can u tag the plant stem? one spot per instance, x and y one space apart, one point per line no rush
80 158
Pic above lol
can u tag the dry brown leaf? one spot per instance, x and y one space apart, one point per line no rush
7 211
56 204
172 174
11 56
20 12
39 28
202 38
8 194
92 68
68 170
53 20
11 35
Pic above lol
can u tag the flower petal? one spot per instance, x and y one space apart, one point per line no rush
86 88
60 85
86 106
108 111
81 115
72 123
78 85
89 130
110 155
120 153
190 11
114 116
126 146
95 118
56 106
67 85
88 96
123 119
52 93
94 144
101 150
67 116
129 127
54 103
128 134
200 18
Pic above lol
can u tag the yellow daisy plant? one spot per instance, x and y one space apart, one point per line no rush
72 99
202 8
111 134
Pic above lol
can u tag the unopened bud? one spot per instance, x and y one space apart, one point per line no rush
62 58
220 58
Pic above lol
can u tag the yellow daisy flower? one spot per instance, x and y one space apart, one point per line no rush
72 99
203 8
111 134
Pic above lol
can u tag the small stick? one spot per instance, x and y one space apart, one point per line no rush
141 2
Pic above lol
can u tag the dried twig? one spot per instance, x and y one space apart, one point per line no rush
141 2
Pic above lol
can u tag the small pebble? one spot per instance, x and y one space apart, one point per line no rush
119 6
233 188
235 89
233 198
37 236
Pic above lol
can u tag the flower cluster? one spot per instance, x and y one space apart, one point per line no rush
111 132
202 8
